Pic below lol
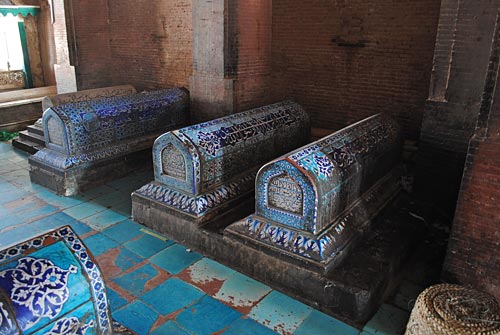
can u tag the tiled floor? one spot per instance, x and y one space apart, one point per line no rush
156 286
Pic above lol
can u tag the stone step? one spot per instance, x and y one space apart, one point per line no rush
34 129
26 146
27 136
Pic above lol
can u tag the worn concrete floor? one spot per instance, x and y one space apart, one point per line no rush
156 286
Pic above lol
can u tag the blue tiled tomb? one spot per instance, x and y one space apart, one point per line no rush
85 95
51 285
92 141
314 203
203 169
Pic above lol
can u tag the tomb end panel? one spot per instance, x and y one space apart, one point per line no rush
284 194
176 162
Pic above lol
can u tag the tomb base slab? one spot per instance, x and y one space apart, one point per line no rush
353 291
68 182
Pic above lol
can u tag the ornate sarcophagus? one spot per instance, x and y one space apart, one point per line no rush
92 141
51 285
85 95
203 169
314 203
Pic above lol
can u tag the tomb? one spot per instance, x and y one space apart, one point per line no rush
344 180
86 95
202 171
93 141
32 139
51 284
314 203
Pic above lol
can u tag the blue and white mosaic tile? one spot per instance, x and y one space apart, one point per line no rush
52 286
202 168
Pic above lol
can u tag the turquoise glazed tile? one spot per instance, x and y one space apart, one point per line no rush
57 201
123 208
83 210
118 260
389 320
99 244
171 296
248 327
207 316
321 324
135 282
169 328
136 316
109 199
11 195
78 227
36 213
280 313
123 231
147 245
97 192
175 258
116 301
242 292
103 219
205 272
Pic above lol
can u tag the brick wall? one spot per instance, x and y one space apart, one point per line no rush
346 60
89 42
474 246
144 43
151 42
254 53
461 58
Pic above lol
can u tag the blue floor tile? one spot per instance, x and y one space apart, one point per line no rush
175 258
207 316
388 320
104 219
123 231
135 281
169 328
110 199
115 300
36 213
97 192
249 327
99 244
321 324
280 312
123 261
241 291
136 316
59 201
83 210
171 296
147 245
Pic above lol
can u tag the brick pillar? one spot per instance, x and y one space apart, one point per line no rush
461 59
231 56
474 245
212 82
64 72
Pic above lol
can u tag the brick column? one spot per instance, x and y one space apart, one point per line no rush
461 59
474 246
231 56
64 72
212 82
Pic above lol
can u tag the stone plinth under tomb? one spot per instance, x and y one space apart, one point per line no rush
93 141
314 203
204 171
